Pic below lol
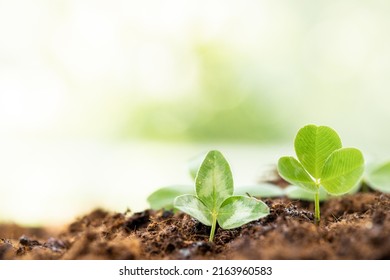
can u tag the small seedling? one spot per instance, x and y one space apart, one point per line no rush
214 200
378 177
322 162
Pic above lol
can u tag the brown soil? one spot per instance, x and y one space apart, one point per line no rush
352 227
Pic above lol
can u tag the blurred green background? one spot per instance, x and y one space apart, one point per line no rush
103 101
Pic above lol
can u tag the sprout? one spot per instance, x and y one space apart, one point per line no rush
214 200
322 162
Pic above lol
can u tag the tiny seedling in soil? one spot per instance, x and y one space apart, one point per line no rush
322 162
214 200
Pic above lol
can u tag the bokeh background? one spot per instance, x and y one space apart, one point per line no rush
102 102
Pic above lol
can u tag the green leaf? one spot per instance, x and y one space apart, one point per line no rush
293 172
356 188
191 205
379 178
313 145
295 192
214 181
260 190
239 210
342 171
163 197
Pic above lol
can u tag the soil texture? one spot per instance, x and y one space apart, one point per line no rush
352 227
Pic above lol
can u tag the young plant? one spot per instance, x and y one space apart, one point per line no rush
322 162
214 200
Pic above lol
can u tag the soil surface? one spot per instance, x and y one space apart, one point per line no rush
352 227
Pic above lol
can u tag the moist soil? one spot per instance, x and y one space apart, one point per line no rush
352 227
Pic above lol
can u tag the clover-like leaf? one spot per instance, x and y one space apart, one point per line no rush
322 162
313 145
164 197
239 210
292 171
191 205
214 202
378 177
342 170
214 181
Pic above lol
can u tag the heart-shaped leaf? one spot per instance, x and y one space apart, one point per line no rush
238 210
164 197
313 145
214 181
379 178
191 205
260 190
292 171
342 170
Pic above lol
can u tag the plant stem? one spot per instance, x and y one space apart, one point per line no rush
317 208
213 226
364 188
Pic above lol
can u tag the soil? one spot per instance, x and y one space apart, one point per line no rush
352 227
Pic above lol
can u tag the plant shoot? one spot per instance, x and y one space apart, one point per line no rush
214 201
322 162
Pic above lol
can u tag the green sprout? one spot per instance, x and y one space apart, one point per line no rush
322 162
214 200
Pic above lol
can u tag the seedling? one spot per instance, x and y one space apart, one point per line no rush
378 177
322 162
214 200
